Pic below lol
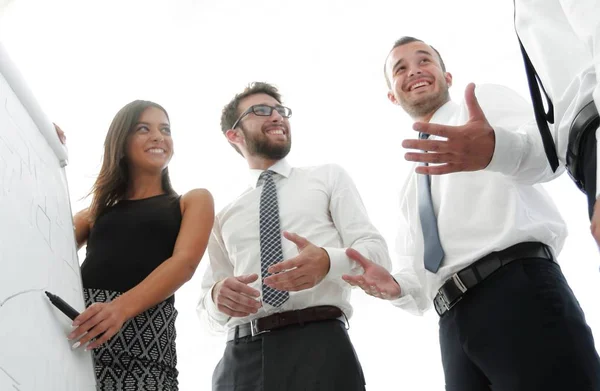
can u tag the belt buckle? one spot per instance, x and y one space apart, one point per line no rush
447 305
254 328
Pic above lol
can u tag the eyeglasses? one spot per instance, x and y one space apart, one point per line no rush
264 111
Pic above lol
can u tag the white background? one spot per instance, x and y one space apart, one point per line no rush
84 60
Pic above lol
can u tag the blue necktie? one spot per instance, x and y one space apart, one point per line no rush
270 238
434 253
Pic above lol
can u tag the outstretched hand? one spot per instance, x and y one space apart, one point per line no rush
375 281
469 147
301 272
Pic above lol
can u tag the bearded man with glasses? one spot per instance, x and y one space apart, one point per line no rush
282 300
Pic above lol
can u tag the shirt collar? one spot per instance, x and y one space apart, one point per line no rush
444 113
282 167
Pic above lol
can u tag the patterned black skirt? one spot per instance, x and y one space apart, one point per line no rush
142 355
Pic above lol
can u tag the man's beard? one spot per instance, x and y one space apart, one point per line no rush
426 105
261 146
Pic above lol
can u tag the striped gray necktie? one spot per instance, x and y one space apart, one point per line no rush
434 253
270 238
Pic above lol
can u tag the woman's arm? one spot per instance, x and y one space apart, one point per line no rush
108 318
82 224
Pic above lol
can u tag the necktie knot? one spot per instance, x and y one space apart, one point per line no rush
266 175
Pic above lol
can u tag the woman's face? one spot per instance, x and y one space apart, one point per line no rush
150 146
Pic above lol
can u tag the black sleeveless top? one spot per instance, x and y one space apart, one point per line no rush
129 240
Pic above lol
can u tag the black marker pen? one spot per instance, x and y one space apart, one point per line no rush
62 306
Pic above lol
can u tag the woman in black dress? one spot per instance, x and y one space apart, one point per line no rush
143 242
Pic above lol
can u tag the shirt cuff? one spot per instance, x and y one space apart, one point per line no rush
411 298
508 150
212 310
339 263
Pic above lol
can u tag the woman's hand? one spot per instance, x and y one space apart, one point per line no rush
100 321
61 134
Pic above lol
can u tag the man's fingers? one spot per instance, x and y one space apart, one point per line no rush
436 129
234 305
427 145
358 257
438 170
285 265
363 285
293 284
298 240
283 277
435 158
352 280
247 279
235 285
242 302
475 111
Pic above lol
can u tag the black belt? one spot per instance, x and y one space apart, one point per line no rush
586 120
283 319
456 286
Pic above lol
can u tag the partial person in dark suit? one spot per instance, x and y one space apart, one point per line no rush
480 247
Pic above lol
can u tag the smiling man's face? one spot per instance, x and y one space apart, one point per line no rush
265 136
418 82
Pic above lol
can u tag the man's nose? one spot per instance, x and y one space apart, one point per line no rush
275 116
414 70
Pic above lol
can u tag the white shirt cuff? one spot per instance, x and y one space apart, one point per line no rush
212 310
507 151
339 263
411 297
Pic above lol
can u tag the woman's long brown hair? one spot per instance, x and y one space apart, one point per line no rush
113 179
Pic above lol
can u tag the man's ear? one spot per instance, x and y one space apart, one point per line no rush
392 98
234 137
448 77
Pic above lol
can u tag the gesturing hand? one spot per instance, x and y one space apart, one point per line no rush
102 320
469 147
303 271
375 281
234 297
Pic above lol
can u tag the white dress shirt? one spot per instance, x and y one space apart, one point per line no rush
319 203
478 212
562 39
